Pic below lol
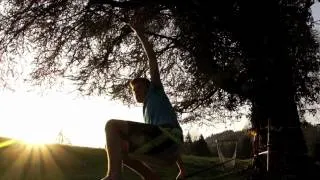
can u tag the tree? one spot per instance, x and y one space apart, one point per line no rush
90 43
200 147
188 144
244 146
213 56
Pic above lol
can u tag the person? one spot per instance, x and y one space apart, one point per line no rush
143 146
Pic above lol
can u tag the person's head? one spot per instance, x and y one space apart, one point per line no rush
139 87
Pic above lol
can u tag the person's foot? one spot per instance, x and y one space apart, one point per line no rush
110 178
107 178
152 176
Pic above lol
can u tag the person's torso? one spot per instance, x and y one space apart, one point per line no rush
157 109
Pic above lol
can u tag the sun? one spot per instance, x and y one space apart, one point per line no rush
35 140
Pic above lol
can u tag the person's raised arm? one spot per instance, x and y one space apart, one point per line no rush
148 48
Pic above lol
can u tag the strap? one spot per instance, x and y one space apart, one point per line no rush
173 133
167 133
151 144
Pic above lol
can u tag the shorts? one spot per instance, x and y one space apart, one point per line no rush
151 140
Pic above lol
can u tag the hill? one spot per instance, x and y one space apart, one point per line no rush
19 161
244 147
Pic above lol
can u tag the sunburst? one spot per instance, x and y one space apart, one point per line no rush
29 161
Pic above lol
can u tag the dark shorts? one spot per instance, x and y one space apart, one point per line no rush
152 140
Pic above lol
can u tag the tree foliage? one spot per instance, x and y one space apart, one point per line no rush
212 56
200 147
187 144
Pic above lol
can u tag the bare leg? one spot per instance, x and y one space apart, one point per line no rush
117 150
113 130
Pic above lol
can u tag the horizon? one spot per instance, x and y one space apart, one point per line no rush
42 118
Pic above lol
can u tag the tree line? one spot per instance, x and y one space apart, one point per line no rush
208 146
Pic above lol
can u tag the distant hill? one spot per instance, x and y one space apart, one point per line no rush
22 161
311 134
228 141
19 161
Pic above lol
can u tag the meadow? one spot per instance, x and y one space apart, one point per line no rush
19 161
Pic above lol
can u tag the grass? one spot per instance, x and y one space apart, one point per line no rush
19 161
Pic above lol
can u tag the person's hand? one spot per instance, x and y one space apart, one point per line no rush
136 26
137 21
181 176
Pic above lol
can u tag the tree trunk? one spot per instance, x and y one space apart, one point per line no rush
274 102
288 152
286 141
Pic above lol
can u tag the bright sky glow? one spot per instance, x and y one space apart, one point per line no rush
38 119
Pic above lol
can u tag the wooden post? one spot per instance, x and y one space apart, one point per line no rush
268 147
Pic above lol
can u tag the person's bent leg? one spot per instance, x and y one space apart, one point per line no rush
141 169
114 130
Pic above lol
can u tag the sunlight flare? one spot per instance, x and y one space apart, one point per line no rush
31 161
7 143
35 141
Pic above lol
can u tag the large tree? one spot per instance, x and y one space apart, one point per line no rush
90 43
212 56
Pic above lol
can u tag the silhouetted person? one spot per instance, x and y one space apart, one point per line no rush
156 142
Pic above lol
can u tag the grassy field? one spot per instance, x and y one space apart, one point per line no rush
19 161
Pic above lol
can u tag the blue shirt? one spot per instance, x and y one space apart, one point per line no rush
157 109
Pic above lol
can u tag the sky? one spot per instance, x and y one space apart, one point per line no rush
38 115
